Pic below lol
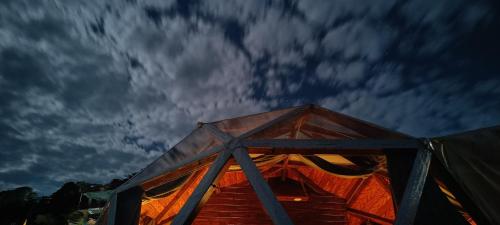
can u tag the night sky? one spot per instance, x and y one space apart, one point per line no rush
94 90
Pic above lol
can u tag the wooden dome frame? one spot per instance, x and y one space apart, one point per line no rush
239 148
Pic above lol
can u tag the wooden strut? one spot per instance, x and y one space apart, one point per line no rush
320 130
197 158
264 193
190 209
369 216
286 116
285 169
293 135
379 178
178 195
356 189
239 147
200 195
309 182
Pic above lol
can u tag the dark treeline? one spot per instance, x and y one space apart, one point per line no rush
23 204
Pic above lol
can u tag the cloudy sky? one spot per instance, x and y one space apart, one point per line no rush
93 90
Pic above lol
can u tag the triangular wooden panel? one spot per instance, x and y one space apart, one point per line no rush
239 204
236 204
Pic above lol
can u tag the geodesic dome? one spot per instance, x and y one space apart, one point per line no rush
300 165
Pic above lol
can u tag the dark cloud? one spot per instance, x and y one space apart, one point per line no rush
95 90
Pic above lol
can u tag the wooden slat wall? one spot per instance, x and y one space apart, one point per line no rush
239 205
374 198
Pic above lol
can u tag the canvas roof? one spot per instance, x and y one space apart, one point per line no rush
315 123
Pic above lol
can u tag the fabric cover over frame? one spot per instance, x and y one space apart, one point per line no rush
194 153
473 160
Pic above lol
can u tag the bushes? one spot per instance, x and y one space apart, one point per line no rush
16 204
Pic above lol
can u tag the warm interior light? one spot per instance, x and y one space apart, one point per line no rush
297 199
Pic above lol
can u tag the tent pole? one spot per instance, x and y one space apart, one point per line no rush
273 207
190 209
414 187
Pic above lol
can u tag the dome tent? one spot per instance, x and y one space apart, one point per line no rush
300 165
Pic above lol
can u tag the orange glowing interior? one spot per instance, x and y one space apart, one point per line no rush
309 195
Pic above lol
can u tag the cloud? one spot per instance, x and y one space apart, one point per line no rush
358 39
388 79
241 10
95 90
281 35
349 74
412 109
323 13
72 98
432 27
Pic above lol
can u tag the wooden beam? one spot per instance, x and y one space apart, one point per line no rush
298 126
196 158
353 189
302 185
414 188
285 168
167 220
344 152
323 131
293 135
289 115
356 189
349 144
271 170
291 164
378 178
311 135
182 171
202 192
310 183
178 194
273 207
364 128
218 133
369 216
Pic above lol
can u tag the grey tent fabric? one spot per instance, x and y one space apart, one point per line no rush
197 145
200 144
166 188
473 160
340 170
128 206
